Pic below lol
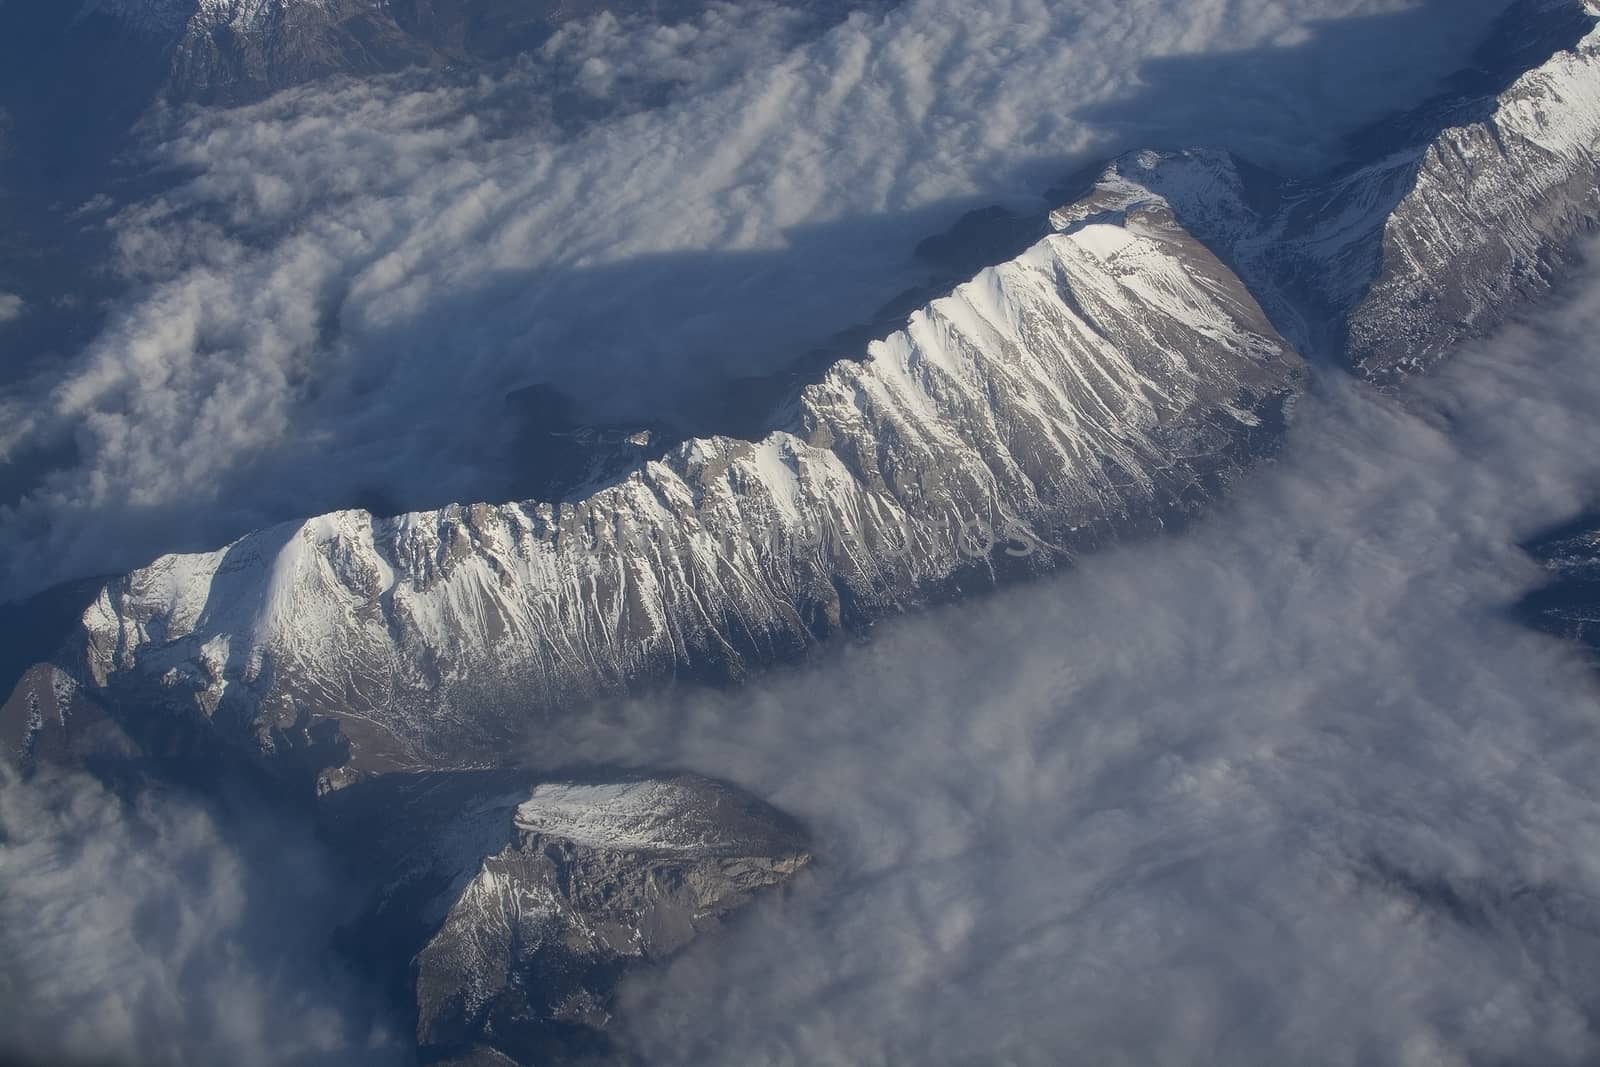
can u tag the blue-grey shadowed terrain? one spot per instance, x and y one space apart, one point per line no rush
1181 94
1568 606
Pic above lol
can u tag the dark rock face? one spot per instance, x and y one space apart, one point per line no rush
524 903
47 720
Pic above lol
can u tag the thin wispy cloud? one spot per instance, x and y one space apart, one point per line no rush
151 931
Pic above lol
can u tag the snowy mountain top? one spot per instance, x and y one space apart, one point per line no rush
681 814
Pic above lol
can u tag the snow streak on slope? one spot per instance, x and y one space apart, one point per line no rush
1109 376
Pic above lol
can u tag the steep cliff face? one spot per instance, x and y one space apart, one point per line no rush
1108 377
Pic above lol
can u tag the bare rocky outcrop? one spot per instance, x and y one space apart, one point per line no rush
525 902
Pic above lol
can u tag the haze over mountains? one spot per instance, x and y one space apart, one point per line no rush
436 689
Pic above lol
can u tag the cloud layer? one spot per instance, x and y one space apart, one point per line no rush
150 932
332 300
1288 788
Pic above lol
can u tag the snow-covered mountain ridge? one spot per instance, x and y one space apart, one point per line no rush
1118 372
1101 378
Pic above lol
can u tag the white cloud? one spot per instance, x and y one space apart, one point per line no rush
339 297
147 931
11 307
1288 788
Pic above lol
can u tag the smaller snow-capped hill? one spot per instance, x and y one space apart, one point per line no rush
589 879
1112 375
510 907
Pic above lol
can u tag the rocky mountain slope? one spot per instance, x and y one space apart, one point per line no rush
1491 212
